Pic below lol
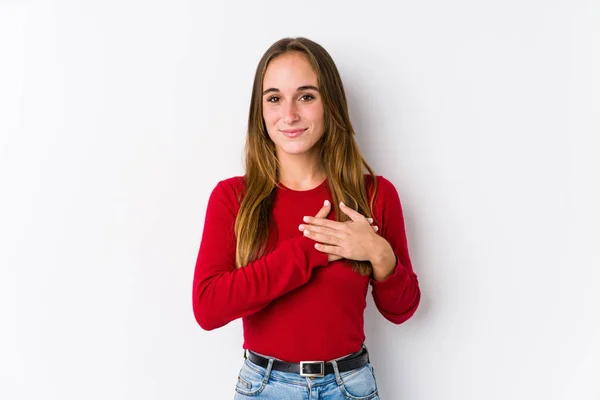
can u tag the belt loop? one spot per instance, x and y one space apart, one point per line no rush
367 350
338 378
268 373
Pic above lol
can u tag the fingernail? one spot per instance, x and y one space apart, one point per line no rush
376 228
301 226
326 203
342 204
305 219
306 232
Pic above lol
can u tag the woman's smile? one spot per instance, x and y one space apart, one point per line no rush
293 133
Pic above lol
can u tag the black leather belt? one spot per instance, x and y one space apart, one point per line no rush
314 368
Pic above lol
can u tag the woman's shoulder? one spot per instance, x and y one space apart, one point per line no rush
386 197
384 186
230 187
235 182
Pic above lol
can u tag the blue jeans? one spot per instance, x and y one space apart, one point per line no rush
255 382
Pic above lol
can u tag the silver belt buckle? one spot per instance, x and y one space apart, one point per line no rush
319 375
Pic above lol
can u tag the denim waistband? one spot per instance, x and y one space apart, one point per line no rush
296 379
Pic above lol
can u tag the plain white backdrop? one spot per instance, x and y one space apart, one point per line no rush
117 118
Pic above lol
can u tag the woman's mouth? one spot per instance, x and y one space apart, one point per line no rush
293 133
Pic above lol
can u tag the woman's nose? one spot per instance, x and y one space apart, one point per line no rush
290 113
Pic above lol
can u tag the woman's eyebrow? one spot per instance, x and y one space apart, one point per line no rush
308 87
300 88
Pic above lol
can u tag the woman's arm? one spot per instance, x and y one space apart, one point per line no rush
397 296
395 286
221 292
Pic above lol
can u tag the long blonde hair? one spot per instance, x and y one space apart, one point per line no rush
343 163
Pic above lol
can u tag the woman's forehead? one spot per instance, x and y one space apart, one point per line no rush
289 71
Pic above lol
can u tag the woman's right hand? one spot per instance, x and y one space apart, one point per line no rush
323 213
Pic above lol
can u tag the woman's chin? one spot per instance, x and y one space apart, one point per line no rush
295 150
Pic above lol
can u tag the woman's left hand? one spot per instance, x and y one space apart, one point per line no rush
353 240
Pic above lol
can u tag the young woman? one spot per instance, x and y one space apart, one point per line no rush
292 246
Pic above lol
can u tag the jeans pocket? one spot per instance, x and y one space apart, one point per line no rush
251 379
359 384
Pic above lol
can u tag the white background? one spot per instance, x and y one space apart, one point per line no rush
117 118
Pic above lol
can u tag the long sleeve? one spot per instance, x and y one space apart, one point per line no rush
396 298
221 292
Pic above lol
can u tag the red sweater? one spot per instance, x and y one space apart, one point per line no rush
294 304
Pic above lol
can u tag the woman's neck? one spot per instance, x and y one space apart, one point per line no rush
301 172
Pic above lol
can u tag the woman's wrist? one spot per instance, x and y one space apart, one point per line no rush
383 260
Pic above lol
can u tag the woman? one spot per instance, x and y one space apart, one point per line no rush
292 246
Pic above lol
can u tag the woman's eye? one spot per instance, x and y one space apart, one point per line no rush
273 99
307 97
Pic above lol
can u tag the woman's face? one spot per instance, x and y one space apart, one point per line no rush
292 106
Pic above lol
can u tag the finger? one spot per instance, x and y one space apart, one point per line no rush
322 237
324 211
322 229
324 222
354 216
333 250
